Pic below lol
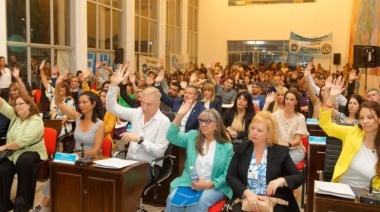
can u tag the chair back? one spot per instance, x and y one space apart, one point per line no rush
305 143
50 137
167 164
170 115
333 150
106 147
55 124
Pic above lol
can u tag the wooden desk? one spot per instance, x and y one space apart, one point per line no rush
76 188
324 203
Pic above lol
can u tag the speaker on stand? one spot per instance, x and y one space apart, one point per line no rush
337 57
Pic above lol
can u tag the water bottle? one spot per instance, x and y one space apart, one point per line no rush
193 174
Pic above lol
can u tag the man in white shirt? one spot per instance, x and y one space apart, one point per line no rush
147 140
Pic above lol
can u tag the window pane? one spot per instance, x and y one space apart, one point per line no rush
91 25
21 59
153 9
40 21
195 24
144 8
117 3
116 33
137 36
177 41
61 22
153 37
104 28
190 18
171 12
16 21
177 17
63 59
107 2
144 35
137 7
171 39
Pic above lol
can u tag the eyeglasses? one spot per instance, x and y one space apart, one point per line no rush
205 121
19 104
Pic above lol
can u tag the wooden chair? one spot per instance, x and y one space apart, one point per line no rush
43 107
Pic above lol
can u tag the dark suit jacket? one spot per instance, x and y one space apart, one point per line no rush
279 164
228 118
216 104
192 120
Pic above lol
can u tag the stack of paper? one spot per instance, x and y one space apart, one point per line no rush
334 189
114 163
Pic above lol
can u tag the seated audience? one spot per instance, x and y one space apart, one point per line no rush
237 118
292 125
351 111
359 160
26 137
372 94
261 168
209 151
258 100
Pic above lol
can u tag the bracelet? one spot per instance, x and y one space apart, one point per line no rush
328 106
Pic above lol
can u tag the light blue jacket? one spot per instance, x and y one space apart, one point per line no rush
222 159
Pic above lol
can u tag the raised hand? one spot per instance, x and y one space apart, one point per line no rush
125 67
186 106
42 65
118 76
209 65
193 77
270 97
87 73
352 76
329 82
132 78
160 76
16 73
62 77
337 87
98 64
308 69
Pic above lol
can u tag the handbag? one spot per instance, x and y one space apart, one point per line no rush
4 154
68 141
266 206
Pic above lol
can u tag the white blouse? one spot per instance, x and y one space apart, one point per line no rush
203 164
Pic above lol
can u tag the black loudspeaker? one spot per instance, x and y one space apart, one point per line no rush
119 56
378 56
337 59
364 56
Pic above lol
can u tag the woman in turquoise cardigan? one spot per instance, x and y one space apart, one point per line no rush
209 151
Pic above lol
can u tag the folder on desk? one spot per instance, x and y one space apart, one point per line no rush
113 163
335 189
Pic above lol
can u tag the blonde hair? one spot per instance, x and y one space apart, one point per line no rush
152 91
270 122
280 90
209 87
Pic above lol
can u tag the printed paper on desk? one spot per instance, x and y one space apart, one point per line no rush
334 189
114 163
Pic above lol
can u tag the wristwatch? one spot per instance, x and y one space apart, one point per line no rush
141 140
290 144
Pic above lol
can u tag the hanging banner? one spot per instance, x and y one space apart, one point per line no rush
148 63
178 62
310 47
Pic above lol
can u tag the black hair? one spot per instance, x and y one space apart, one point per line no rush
360 101
295 92
97 111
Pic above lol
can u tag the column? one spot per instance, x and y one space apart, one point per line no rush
184 15
80 35
162 29
129 34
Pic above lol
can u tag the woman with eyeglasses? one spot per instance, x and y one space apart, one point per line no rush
25 137
209 151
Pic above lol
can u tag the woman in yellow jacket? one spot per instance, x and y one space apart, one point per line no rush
359 159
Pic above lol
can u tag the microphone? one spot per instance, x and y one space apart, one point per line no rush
370 187
82 151
370 198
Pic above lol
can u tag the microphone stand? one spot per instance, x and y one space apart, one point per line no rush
82 161
370 197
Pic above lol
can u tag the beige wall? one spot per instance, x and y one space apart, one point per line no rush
220 23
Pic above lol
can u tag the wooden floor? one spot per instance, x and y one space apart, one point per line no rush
150 208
